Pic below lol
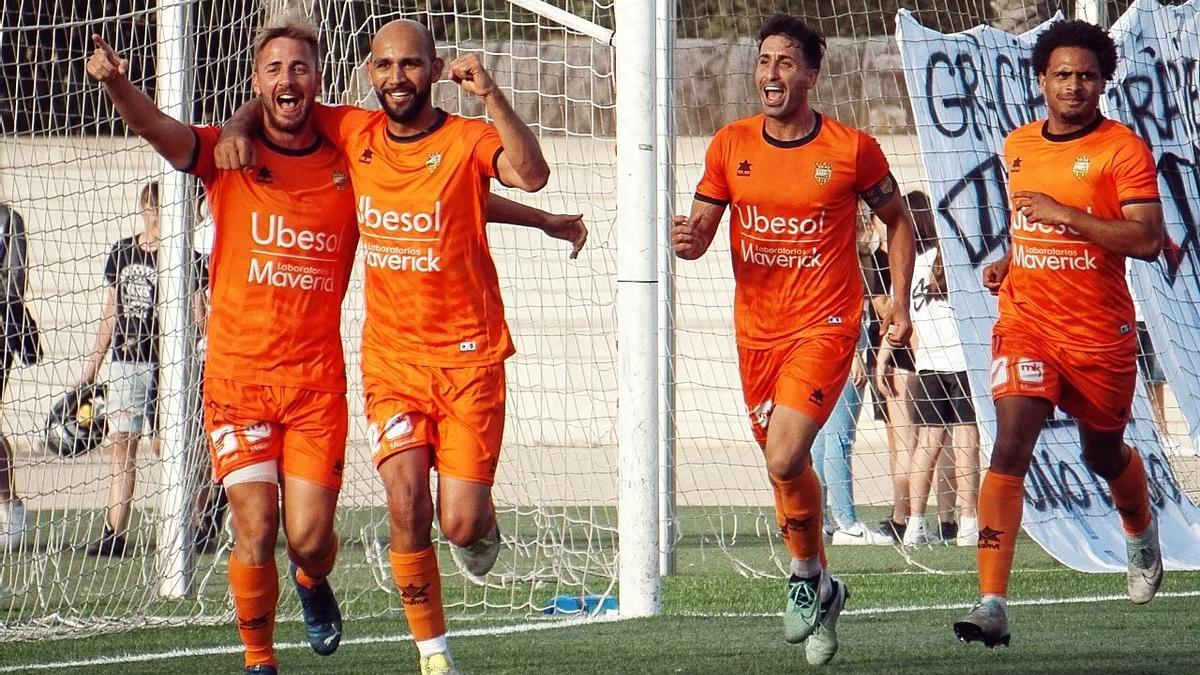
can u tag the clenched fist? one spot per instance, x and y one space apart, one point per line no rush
468 72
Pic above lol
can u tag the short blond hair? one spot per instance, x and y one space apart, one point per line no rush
292 25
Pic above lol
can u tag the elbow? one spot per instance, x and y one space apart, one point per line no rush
1150 248
536 178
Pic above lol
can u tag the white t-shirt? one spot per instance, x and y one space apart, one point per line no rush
938 345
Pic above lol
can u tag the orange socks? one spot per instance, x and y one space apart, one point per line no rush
255 595
1000 505
317 570
1131 495
798 513
420 586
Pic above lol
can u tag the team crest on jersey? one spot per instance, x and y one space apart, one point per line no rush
1083 164
339 180
434 161
823 172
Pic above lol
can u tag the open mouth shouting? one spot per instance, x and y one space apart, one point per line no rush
773 94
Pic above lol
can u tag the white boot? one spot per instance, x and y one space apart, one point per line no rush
13 522
968 531
914 532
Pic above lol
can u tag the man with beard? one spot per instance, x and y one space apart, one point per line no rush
274 385
794 179
435 338
1084 197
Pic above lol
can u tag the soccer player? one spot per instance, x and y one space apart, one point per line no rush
434 338
794 178
1084 197
274 388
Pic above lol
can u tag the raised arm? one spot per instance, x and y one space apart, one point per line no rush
569 228
170 138
691 236
521 164
1138 233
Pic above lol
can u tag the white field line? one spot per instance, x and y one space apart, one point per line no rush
549 625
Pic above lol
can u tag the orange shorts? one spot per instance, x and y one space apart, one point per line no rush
459 412
1094 387
806 374
303 430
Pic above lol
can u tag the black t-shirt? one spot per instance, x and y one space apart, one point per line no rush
878 280
133 271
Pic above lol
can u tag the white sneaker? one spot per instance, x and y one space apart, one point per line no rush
915 533
477 560
859 534
968 531
1145 563
438 664
14 520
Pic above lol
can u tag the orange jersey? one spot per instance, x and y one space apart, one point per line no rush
1059 284
432 295
281 261
792 231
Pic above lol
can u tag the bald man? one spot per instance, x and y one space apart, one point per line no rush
435 338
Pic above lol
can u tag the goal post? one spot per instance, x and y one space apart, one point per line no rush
176 283
627 452
637 308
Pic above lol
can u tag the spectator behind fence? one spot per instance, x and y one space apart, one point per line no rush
21 345
129 327
831 459
944 412
893 378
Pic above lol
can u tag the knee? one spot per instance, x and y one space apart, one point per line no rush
1010 456
1106 461
309 544
410 510
787 465
254 539
464 530
123 444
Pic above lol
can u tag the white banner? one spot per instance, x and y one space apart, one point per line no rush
968 91
1155 93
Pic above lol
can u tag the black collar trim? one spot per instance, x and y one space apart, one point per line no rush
437 124
799 141
288 151
1074 135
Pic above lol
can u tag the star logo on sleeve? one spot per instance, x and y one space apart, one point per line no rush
743 168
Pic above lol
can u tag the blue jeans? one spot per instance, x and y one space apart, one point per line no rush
831 455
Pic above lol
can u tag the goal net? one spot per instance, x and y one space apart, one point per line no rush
722 494
74 174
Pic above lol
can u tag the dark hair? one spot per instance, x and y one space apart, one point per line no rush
808 41
149 195
921 211
1076 34
922 215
